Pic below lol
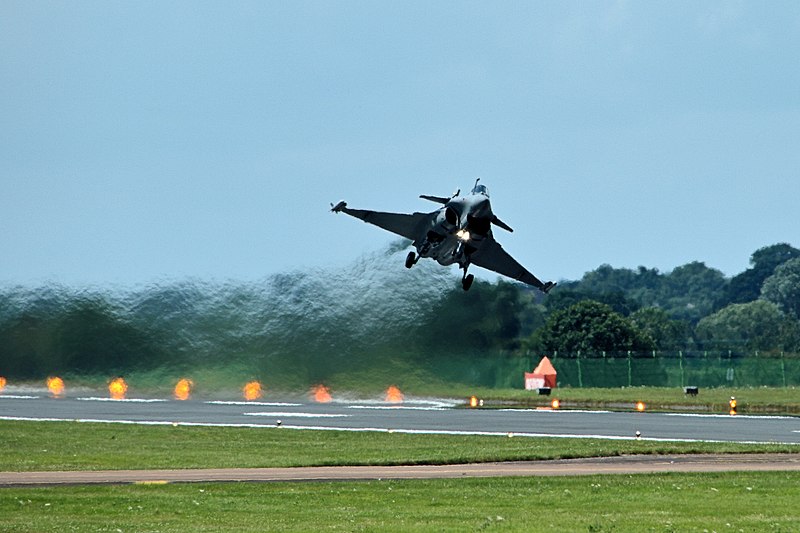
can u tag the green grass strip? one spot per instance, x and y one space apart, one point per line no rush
664 502
41 446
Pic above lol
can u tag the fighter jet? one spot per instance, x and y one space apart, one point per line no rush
458 232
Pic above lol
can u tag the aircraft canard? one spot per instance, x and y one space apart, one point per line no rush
459 232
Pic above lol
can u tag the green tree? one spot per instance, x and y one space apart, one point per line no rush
642 286
665 332
486 317
758 325
591 326
746 286
90 337
691 290
567 297
783 288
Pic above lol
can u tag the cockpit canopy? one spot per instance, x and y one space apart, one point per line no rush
480 189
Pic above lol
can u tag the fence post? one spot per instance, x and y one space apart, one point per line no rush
680 361
629 368
783 371
580 378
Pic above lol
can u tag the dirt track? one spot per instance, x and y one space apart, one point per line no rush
635 464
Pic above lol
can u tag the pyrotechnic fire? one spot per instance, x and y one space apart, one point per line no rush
321 394
183 389
393 395
55 386
253 391
2 383
117 388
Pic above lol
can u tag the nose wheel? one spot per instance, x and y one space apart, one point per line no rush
411 259
466 281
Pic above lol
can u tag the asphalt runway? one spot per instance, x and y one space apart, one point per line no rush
412 416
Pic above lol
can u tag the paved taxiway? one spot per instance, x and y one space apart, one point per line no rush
412 416
647 464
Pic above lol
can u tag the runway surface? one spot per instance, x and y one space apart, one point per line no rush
412 416
569 467
420 416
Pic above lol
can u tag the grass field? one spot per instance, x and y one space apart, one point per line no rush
29 446
739 501
668 502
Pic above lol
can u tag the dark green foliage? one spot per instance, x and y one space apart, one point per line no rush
751 326
591 326
746 286
783 288
305 327
667 334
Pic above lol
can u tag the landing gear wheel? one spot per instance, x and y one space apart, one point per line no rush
411 259
466 283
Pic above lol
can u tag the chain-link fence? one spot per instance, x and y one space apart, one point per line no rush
625 369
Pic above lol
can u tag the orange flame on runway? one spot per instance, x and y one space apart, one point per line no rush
393 395
117 388
2 383
183 389
253 391
55 386
321 394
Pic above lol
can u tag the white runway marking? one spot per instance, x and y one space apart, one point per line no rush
297 415
397 407
717 415
551 410
18 397
265 404
129 400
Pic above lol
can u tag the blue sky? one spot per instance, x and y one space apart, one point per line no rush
151 140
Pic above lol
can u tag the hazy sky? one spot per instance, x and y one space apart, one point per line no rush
150 140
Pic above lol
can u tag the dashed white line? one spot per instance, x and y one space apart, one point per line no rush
263 404
397 408
297 415
18 397
129 400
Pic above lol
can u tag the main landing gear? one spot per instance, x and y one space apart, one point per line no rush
466 281
411 259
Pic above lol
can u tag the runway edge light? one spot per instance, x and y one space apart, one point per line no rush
640 406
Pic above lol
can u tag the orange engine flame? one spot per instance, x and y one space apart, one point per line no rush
2 383
393 395
117 389
55 386
321 394
253 391
183 389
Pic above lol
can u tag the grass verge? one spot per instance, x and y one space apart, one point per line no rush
32 446
664 502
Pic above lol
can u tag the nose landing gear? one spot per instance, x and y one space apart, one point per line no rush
411 259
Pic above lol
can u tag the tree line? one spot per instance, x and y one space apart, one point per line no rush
372 313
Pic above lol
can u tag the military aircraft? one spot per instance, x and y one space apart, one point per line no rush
459 232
